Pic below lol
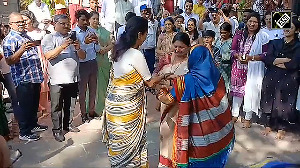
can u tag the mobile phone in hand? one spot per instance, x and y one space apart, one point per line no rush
244 57
36 42
73 36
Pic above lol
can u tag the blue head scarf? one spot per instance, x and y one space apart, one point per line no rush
203 76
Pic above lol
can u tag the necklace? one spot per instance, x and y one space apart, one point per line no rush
173 70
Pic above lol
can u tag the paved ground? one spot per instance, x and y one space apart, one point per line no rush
85 149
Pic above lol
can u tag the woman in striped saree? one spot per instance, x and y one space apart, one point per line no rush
124 114
204 132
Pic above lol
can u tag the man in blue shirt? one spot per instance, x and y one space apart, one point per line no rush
22 56
149 45
88 67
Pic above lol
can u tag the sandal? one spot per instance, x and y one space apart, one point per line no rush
280 135
266 131
234 119
246 124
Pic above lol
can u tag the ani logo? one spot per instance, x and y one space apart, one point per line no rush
281 19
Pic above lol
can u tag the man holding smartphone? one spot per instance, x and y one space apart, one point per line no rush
88 67
63 54
22 56
149 45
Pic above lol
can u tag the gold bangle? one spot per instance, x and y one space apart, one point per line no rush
62 48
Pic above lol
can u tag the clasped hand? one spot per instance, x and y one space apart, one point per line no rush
91 38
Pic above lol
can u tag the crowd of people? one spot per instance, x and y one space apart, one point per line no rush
206 62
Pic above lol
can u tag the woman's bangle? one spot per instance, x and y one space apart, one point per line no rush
253 58
62 47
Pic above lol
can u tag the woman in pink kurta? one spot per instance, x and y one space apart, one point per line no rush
241 47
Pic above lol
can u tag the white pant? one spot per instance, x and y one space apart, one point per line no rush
236 105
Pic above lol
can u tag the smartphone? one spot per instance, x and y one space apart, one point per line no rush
73 36
37 42
183 26
244 57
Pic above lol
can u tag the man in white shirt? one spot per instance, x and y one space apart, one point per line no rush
233 20
273 33
63 54
217 19
122 8
138 3
108 15
187 14
149 45
231 13
42 13
122 28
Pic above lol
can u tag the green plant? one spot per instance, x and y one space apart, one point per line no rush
242 4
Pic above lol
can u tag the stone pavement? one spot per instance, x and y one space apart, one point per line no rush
85 149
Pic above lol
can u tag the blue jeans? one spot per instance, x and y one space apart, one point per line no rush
150 58
28 96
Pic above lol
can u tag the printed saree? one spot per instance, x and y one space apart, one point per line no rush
204 132
124 121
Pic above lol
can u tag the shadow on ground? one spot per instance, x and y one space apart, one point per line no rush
85 149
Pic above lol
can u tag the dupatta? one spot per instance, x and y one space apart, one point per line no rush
255 75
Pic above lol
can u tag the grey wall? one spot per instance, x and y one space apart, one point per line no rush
13 6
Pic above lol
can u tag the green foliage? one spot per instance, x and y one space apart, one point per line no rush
242 4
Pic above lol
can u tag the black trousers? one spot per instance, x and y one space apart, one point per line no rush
276 123
28 95
63 98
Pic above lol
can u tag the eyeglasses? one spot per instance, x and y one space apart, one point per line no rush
64 24
19 22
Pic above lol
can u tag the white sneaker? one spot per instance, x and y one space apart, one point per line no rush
32 137
39 128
